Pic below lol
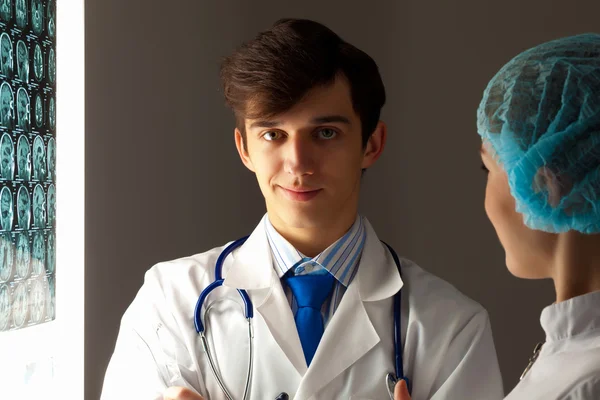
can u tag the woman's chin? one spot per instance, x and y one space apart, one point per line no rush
523 270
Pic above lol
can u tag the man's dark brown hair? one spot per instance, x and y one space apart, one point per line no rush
267 76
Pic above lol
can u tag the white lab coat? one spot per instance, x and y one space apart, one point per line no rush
568 366
448 348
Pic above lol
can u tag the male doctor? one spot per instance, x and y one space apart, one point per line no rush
307 106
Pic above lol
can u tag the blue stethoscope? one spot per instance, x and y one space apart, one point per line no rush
390 379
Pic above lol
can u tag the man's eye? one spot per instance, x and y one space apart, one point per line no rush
271 135
327 133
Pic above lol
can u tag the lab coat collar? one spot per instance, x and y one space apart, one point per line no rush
377 276
574 317
252 266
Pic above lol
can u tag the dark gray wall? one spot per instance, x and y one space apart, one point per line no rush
163 179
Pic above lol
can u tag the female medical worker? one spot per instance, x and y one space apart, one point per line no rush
307 106
540 124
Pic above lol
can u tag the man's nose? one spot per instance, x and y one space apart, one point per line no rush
299 156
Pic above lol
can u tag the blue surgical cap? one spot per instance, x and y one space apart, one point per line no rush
540 115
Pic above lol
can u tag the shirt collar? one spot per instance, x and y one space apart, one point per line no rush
340 259
574 317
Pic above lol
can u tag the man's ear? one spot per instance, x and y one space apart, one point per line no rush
375 145
242 149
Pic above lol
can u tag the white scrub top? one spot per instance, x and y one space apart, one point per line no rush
568 366
448 348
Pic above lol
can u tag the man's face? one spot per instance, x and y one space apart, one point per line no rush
308 160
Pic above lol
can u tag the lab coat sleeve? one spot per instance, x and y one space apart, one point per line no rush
140 367
133 372
470 367
587 389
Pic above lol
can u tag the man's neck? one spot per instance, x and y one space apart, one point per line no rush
311 241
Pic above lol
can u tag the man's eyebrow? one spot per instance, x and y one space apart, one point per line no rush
330 118
326 119
265 124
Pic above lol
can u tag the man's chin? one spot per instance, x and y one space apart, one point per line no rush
304 218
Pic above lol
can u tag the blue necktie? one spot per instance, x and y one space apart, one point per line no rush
310 292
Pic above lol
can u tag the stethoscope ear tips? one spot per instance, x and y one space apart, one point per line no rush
282 396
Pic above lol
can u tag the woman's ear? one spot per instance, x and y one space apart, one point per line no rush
556 186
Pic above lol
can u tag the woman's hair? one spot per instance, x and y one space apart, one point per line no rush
541 115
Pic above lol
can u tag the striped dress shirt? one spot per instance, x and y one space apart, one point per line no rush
340 259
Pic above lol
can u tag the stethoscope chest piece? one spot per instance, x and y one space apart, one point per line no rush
390 383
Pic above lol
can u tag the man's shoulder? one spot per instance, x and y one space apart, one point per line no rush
196 265
171 285
428 293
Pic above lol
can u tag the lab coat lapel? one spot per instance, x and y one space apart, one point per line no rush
276 311
252 269
350 334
